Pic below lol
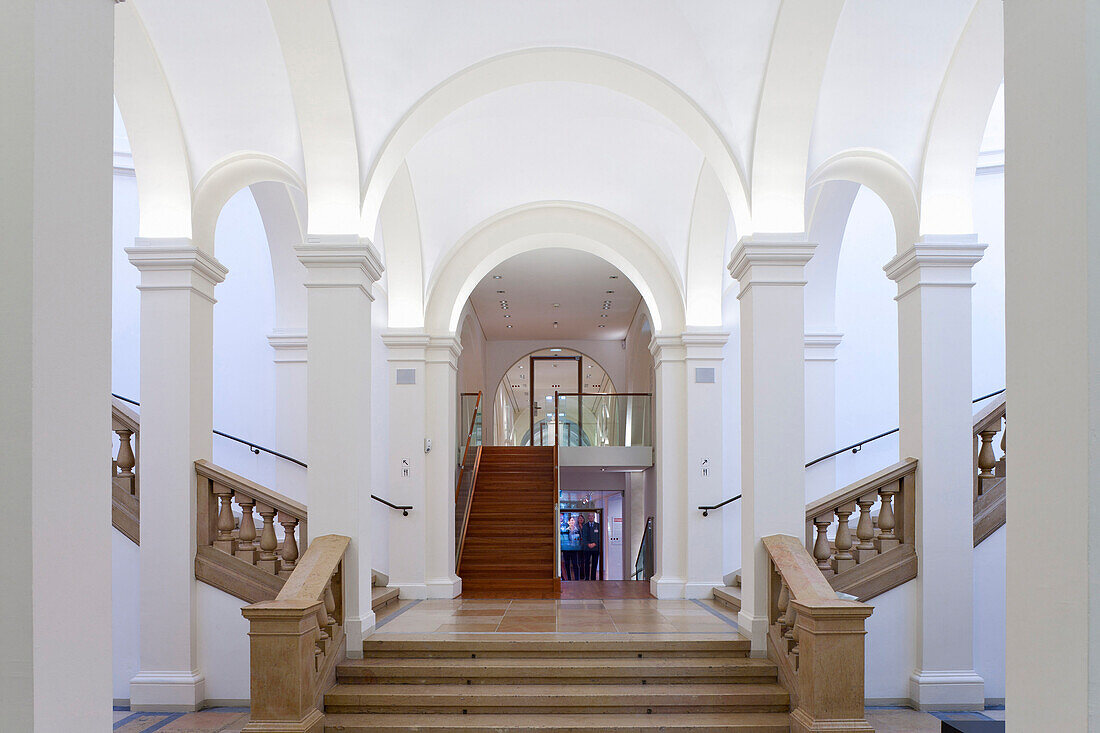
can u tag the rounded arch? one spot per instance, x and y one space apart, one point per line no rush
563 225
555 64
958 123
223 180
161 163
886 177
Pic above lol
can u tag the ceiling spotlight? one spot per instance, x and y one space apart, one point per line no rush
609 292
603 315
507 316
555 326
557 305
509 325
500 292
612 277
496 277
602 326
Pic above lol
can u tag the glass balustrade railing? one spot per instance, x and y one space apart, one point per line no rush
469 421
623 419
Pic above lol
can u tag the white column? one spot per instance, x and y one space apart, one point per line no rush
342 271
439 470
821 412
55 362
177 405
1052 293
407 461
669 451
934 379
704 536
770 271
290 410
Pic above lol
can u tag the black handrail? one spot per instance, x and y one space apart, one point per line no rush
856 447
404 509
254 447
706 509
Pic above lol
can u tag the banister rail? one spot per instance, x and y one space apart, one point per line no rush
297 640
404 509
719 505
816 640
857 447
254 447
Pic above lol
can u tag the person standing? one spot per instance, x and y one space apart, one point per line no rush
590 549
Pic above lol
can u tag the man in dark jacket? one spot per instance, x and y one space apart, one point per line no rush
590 546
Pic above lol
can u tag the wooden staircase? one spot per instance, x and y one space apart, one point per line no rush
556 682
509 543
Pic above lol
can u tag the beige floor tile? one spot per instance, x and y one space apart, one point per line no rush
902 721
466 612
141 722
479 625
204 722
648 626
527 626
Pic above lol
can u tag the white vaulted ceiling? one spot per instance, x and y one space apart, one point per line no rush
643 109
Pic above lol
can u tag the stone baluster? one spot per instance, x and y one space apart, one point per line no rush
246 545
987 460
781 604
822 551
126 461
268 542
226 524
1004 432
886 539
865 528
290 545
843 559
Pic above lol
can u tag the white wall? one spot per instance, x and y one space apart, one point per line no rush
381 515
125 593
989 613
730 514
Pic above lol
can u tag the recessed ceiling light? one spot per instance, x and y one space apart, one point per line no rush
557 305
509 325
507 316
500 292
602 326
496 277
609 292
603 315
612 277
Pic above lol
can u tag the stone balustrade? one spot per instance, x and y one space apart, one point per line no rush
297 640
125 481
256 543
816 640
988 424
882 546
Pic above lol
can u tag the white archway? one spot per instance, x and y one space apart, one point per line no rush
555 224
958 123
554 64
886 177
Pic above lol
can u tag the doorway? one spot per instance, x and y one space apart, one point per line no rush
577 560
549 376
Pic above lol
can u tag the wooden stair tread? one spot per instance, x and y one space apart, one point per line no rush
561 722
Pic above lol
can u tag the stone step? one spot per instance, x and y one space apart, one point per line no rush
728 596
548 670
560 722
561 645
382 596
549 699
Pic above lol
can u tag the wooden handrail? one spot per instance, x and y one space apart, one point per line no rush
816 640
297 640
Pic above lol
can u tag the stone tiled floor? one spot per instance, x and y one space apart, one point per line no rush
574 616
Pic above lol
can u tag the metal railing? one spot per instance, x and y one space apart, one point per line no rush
857 447
257 448
719 505
644 564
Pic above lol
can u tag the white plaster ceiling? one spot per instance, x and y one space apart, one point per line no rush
225 69
886 63
554 141
534 281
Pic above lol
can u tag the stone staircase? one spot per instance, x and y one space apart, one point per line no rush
556 682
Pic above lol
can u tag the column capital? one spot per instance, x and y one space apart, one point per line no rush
174 264
667 348
340 262
821 346
770 259
705 344
406 344
289 345
443 350
936 261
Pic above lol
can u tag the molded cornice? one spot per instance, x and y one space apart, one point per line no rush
939 261
173 264
770 259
